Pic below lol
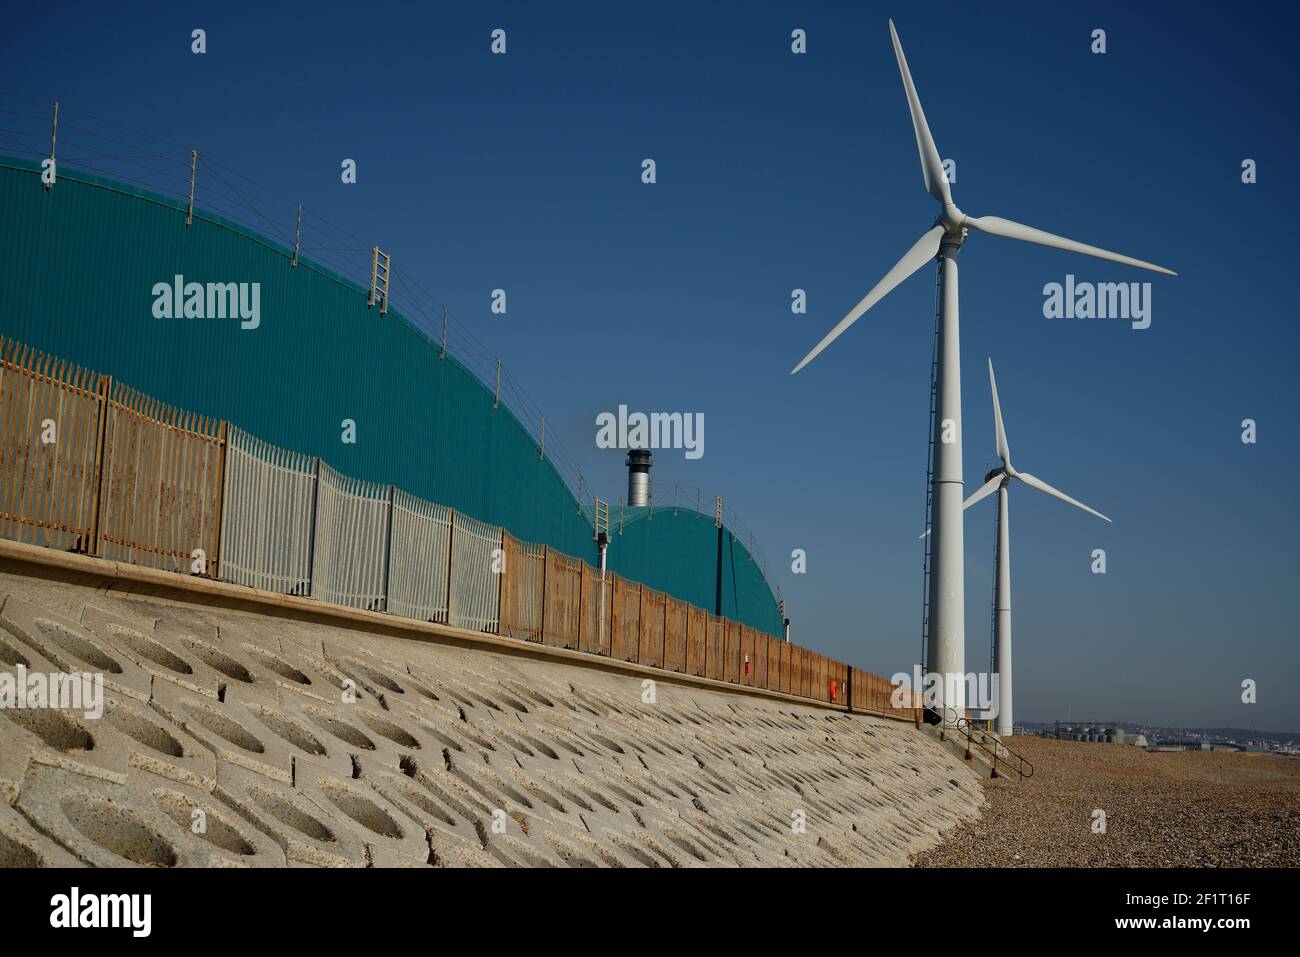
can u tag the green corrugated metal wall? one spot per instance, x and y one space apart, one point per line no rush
79 263
688 543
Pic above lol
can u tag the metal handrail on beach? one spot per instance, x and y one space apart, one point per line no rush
1021 765
949 718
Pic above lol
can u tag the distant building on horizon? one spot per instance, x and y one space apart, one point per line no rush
1106 732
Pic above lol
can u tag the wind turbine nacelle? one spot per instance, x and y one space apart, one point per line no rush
953 221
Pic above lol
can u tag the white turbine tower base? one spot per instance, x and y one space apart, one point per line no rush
946 640
1002 618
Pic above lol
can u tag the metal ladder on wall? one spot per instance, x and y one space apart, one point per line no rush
380 267
929 480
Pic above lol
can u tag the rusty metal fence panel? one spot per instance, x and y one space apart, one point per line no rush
717 648
597 611
870 692
653 611
419 558
878 695
697 634
731 652
748 656
474 595
267 516
760 659
626 628
160 488
522 593
801 655
50 418
349 564
562 611
675 615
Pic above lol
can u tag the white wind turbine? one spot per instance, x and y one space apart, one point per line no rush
945 649
1000 479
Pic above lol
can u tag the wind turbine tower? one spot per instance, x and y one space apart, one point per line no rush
946 640
1000 479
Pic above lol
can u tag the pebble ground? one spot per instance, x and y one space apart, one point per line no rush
1162 809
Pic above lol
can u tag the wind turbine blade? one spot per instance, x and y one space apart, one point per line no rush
931 166
1044 487
922 252
984 491
996 226
1003 450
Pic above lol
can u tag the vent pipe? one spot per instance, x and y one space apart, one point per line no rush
638 478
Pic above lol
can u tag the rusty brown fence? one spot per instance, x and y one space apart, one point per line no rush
717 648
161 485
90 465
522 594
697 631
562 605
873 693
50 418
626 626
676 613
597 611
654 606
746 655
731 651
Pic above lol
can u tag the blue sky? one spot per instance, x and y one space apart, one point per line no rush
777 172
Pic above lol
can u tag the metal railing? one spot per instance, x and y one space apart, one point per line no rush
51 486
269 515
989 745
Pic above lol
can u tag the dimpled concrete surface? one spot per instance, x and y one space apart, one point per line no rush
233 739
